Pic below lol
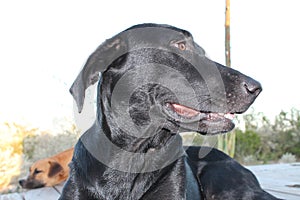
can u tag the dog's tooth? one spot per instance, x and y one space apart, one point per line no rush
208 116
229 116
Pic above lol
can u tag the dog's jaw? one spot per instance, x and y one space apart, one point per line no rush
203 122
31 183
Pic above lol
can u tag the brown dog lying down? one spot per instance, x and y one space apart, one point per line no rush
48 171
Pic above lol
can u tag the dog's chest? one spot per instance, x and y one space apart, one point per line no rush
174 182
179 184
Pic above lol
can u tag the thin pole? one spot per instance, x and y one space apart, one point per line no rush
227 34
226 142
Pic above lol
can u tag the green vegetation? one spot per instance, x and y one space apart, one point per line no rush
269 142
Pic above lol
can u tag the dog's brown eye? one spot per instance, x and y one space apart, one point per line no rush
181 46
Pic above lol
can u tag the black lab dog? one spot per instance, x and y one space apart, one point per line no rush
154 81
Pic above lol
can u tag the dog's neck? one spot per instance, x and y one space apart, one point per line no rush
124 173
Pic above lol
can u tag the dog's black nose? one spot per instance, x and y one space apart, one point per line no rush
21 182
252 87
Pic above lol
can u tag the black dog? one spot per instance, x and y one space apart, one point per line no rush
156 82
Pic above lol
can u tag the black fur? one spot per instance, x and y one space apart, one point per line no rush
222 177
156 75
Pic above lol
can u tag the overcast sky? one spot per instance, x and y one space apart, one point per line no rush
44 44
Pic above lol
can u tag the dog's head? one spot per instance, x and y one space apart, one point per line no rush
45 172
157 75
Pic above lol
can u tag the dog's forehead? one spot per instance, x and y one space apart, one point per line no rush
40 164
151 36
159 26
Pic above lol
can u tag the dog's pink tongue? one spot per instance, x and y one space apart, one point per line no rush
184 111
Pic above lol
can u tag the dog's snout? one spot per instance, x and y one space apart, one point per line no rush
252 87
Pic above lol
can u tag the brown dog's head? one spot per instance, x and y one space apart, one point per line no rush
45 172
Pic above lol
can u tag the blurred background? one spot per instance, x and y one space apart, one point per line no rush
44 44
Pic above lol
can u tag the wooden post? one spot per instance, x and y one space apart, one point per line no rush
226 142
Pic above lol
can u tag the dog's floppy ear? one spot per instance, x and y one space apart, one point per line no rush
98 62
55 168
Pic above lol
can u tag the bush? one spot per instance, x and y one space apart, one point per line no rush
250 160
248 143
46 144
268 142
287 158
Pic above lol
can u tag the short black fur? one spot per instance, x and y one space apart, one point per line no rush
186 176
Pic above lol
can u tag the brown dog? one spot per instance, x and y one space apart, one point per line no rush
49 171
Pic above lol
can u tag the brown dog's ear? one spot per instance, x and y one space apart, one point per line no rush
98 62
55 168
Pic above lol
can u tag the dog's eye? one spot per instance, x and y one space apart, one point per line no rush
36 171
181 46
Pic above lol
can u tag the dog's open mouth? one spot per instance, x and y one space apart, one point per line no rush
190 113
207 122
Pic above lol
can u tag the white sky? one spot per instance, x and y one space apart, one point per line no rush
44 44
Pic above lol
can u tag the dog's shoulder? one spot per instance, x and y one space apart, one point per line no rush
211 162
